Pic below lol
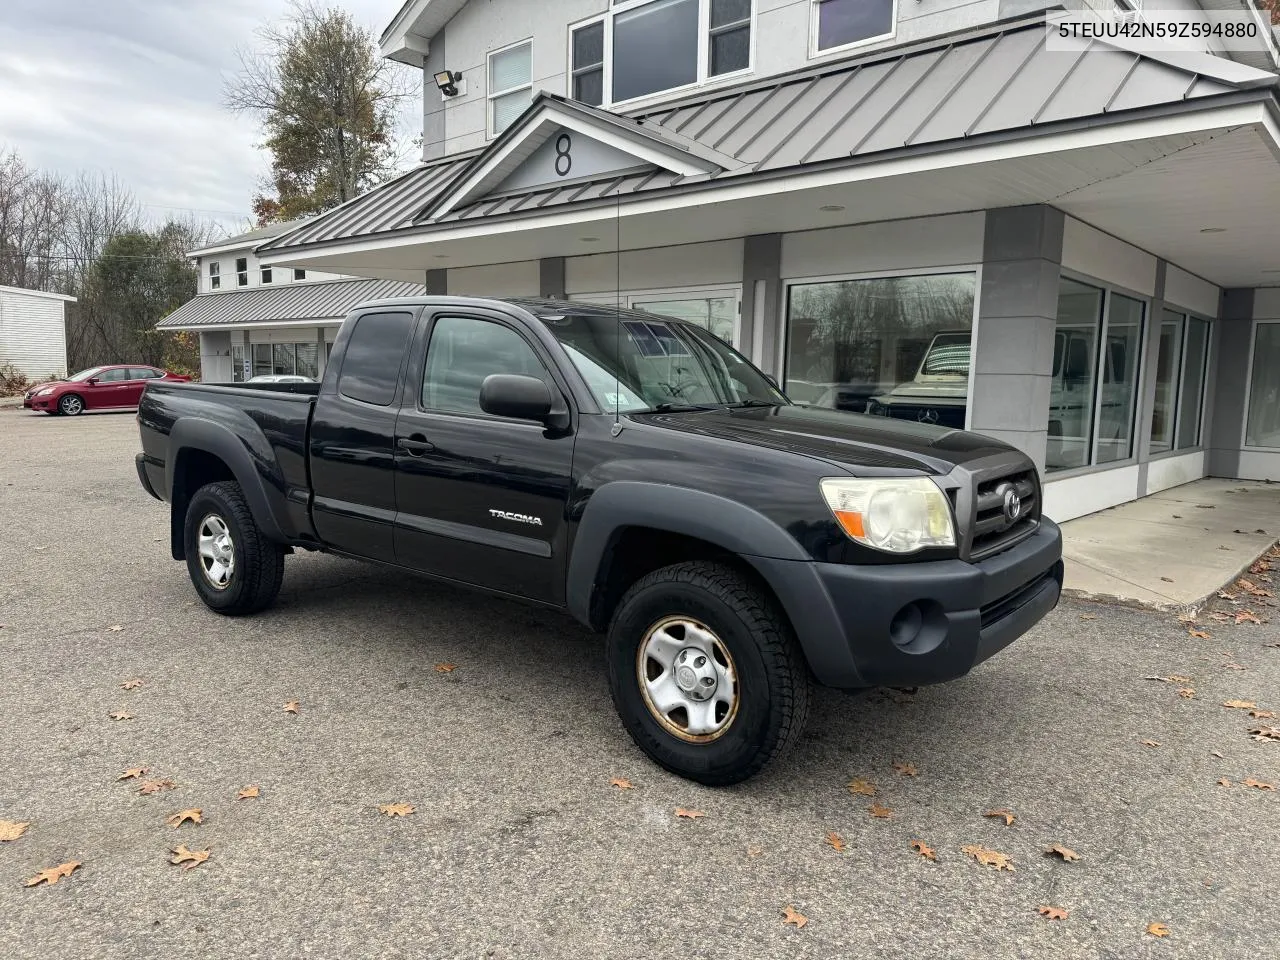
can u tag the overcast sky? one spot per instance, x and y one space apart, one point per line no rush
134 87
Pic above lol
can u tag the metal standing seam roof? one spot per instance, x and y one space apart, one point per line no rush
320 300
998 80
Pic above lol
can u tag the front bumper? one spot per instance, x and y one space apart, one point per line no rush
909 624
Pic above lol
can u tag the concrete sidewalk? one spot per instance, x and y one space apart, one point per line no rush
1172 550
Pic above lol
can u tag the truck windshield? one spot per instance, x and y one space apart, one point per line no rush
948 356
635 365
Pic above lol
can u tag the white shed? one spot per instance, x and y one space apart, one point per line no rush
33 331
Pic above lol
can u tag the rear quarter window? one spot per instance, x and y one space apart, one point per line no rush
371 364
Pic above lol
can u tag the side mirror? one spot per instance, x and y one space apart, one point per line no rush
515 396
94 381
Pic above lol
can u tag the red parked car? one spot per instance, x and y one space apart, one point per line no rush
115 387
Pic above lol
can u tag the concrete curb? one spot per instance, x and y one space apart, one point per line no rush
1182 609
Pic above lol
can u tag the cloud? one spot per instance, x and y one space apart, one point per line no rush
134 87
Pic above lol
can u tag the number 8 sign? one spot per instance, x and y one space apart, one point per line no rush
564 162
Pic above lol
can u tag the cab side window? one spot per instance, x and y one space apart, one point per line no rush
465 350
371 364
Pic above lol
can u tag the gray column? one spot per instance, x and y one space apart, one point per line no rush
1150 364
1229 372
761 299
437 282
551 278
1017 314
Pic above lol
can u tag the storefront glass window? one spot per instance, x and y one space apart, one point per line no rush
1191 398
1120 363
716 314
1263 428
1168 366
1071 395
894 346
262 359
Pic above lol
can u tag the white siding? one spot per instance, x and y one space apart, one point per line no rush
1185 290
658 268
498 280
1089 251
897 245
33 332
280 276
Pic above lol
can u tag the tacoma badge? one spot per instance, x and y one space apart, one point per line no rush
517 517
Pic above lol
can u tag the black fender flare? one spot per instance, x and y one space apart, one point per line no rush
213 438
728 524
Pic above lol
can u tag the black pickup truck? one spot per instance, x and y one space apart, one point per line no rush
637 473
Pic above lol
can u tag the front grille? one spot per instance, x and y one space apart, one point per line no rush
980 490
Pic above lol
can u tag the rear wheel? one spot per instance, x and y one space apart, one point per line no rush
705 672
234 567
71 405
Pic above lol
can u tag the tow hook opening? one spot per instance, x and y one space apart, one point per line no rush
919 627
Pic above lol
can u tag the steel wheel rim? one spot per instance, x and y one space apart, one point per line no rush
217 552
687 679
72 405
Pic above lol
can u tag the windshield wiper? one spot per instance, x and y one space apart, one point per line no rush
681 407
752 402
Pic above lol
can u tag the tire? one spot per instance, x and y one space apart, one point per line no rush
241 570
71 405
683 603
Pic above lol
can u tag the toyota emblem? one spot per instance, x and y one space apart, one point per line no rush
1012 505
927 416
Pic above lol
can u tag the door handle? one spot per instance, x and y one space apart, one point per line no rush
416 445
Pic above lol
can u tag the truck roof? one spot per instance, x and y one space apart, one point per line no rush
539 307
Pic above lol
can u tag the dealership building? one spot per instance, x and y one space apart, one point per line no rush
914 208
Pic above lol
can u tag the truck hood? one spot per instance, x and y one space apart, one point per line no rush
849 440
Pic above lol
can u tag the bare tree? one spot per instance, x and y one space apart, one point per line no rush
32 214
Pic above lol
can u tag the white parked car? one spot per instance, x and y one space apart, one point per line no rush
280 378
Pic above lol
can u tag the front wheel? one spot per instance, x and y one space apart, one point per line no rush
236 570
706 673
71 405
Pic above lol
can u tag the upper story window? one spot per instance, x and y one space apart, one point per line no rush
643 47
299 274
266 274
510 85
215 275
242 271
844 23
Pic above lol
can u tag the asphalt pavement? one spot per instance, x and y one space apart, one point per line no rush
519 845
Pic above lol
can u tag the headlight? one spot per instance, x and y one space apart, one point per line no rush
897 514
45 392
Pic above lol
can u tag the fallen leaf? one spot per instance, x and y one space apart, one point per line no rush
156 786
835 842
1066 853
1167 579
1262 714
689 814
1265 733
1199 634
1053 913
1232 666
1175 678
121 715
12 829
1220 616
622 783
789 915
754 851
1223 595
1088 616
882 813
1247 616
1217 753
1257 784
195 815
922 848
291 707
987 857
189 858
133 773
446 667
1150 743
116 628
247 793
906 769
864 787
133 684
396 809
1239 704
1224 782
1001 814
1157 930
1187 693
54 874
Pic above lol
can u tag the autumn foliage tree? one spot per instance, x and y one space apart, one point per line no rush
327 103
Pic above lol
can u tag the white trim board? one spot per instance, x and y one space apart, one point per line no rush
1090 492
1168 472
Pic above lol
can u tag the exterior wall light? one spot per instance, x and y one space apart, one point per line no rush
447 81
